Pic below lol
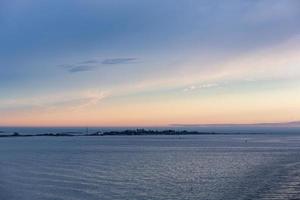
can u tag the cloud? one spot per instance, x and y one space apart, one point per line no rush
70 101
90 65
81 68
202 86
78 67
89 62
116 61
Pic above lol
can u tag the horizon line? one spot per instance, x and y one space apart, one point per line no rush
288 123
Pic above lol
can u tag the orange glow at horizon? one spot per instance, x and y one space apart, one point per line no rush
278 106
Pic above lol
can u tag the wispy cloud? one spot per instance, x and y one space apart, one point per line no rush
198 87
81 68
79 100
116 61
93 64
89 62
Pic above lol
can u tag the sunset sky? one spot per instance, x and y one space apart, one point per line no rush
148 62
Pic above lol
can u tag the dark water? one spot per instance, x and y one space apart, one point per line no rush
207 167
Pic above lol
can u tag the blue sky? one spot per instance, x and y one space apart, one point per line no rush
91 57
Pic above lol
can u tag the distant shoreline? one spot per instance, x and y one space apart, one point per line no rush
136 132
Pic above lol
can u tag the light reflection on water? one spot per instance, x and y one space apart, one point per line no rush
150 167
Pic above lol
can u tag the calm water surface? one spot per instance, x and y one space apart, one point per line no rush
208 167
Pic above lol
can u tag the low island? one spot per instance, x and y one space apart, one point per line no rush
133 132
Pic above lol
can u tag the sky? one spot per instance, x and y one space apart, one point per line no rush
149 62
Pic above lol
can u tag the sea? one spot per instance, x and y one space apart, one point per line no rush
229 166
